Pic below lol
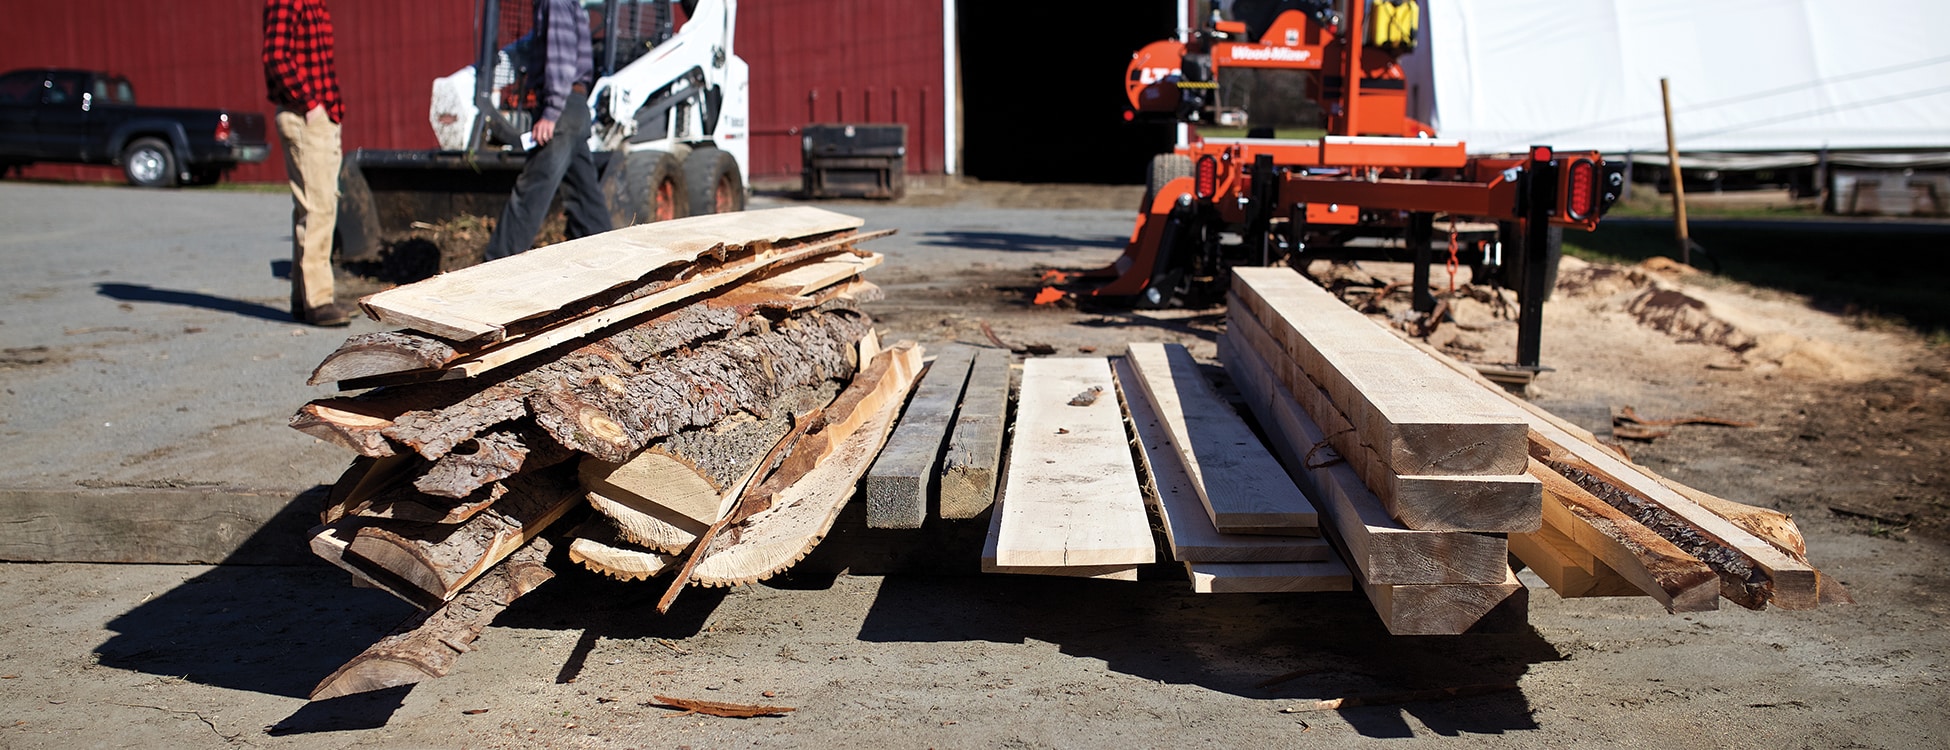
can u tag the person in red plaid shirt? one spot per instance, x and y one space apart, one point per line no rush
302 78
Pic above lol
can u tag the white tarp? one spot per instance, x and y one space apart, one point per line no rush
1746 75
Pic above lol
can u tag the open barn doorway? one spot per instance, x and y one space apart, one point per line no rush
1042 91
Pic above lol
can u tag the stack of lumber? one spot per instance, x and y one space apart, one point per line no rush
1098 441
696 397
1431 477
946 453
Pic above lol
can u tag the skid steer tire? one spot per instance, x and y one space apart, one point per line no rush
656 190
715 185
1164 168
356 236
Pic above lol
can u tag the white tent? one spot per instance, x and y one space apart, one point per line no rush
1746 75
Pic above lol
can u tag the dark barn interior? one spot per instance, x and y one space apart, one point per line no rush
1042 93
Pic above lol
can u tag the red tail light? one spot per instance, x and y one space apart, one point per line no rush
1207 177
223 128
1581 195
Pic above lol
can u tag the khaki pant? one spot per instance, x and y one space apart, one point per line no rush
311 160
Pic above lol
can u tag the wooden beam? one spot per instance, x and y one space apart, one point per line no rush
1492 503
897 485
1660 569
1113 572
167 526
1420 416
1072 493
1269 577
1805 585
1241 485
480 302
1380 549
1444 609
1188 528
973 462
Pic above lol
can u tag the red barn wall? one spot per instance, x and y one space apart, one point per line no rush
812 61
862 61
205 53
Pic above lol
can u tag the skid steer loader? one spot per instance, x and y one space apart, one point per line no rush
669 126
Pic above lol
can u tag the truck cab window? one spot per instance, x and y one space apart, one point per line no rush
20 88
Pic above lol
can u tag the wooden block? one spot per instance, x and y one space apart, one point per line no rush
1420 416
1493 503
1071 487
808 277
156 526
973 463
1240 483
1116 572
897 485
1188 528
1379 548
1569 570
1444 609
478 302
1269 577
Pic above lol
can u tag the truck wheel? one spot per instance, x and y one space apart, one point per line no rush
148 162
656 182
1164 168
715 185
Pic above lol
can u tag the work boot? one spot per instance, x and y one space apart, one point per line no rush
329 315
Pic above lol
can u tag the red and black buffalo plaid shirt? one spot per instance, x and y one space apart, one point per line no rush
299 70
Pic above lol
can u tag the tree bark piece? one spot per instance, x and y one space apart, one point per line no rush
799 514
613 415
1491 503
973 461
1240 483
440 560
1380 549
493 456
427 645
1188 527
1421 417
1072 496
897 485
404 502
378 353
689 474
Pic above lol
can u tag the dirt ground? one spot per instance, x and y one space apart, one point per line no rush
1847 429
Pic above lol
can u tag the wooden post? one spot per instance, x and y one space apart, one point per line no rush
1678 184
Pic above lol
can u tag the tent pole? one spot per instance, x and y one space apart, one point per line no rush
1678 184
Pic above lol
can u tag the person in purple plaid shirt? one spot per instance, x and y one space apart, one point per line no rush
302 79
561 69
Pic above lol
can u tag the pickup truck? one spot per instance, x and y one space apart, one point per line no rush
90 117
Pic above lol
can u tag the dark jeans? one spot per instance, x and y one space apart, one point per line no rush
565 161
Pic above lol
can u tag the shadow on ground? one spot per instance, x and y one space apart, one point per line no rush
146 293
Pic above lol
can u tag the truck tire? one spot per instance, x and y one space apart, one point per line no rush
1164 168
656 185
149 162
715 185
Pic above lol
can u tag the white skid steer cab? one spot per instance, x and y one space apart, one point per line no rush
669 108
